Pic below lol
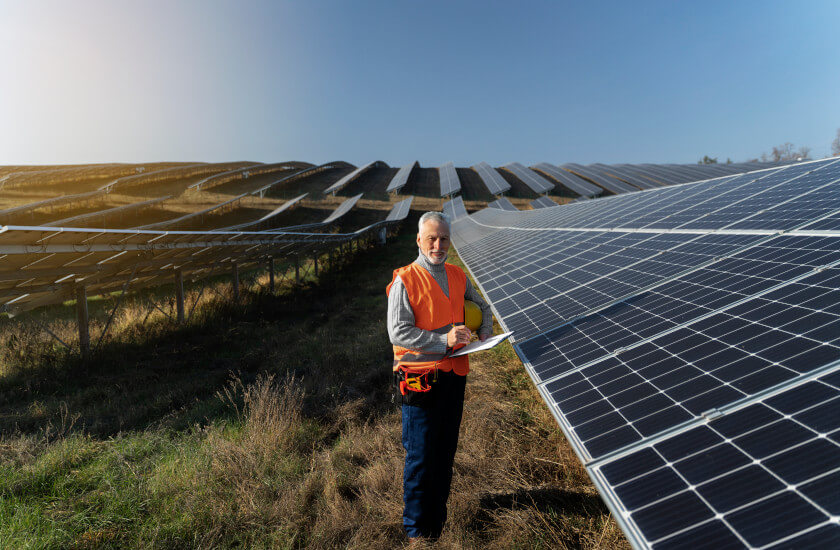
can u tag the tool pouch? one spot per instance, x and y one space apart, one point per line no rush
415 384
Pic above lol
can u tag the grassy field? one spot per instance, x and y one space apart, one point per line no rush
268 424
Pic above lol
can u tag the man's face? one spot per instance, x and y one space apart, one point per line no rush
433 241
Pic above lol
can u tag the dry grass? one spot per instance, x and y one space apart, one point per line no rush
269 425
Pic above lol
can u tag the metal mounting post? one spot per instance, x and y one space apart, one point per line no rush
271 274
83 321
316 265
332 258
235 281
179 295
297 269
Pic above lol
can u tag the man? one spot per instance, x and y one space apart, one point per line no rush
425 324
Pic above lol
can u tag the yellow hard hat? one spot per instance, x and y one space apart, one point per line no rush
472 315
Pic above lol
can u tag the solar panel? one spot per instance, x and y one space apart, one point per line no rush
687 339
495 183
610 184
279 210
343 208
568 180
449 182
625 175
765 473
503 204
455 209
400 210
542 202
530 178
401 178
340 184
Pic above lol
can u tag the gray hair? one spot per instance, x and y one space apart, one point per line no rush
429 216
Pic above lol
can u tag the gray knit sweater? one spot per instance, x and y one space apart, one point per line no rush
401 329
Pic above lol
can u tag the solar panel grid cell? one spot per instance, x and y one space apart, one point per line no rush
542 202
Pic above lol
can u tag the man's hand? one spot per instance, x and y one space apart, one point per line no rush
458 335
482 337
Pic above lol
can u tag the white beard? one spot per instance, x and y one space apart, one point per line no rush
431 260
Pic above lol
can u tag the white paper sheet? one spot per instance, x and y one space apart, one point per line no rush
478 345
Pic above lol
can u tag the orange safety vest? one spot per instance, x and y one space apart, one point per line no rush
434 312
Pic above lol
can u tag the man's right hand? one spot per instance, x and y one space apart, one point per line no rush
458 335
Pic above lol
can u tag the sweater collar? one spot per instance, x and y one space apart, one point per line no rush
424 262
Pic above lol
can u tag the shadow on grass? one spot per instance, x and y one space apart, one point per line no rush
546 501
331 333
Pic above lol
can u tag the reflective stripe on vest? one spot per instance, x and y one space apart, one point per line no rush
434 312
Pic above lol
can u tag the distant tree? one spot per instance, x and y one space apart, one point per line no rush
835 145
707 160
728 160
785 152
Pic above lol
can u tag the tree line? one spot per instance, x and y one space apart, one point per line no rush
781 153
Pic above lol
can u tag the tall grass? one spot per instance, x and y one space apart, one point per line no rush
270 424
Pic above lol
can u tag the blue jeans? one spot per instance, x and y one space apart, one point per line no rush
430 437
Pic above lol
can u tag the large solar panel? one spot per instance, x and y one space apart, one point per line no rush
568 180
495 183
340 184
449 182
455 209
687 339
542 202
401 178
530 178
400 210
503 204
611 184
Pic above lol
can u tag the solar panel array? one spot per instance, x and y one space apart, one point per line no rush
537 183
449 182
401 178
495 183
542 202
503 204
43 265
568 180
687 340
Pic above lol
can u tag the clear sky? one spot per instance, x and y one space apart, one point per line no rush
403 80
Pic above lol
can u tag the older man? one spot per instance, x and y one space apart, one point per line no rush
425 324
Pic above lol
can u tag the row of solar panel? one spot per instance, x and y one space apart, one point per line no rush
695 370
586 181
43 265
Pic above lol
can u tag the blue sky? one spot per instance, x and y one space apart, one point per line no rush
130 81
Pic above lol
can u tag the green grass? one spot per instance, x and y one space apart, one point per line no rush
268 424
